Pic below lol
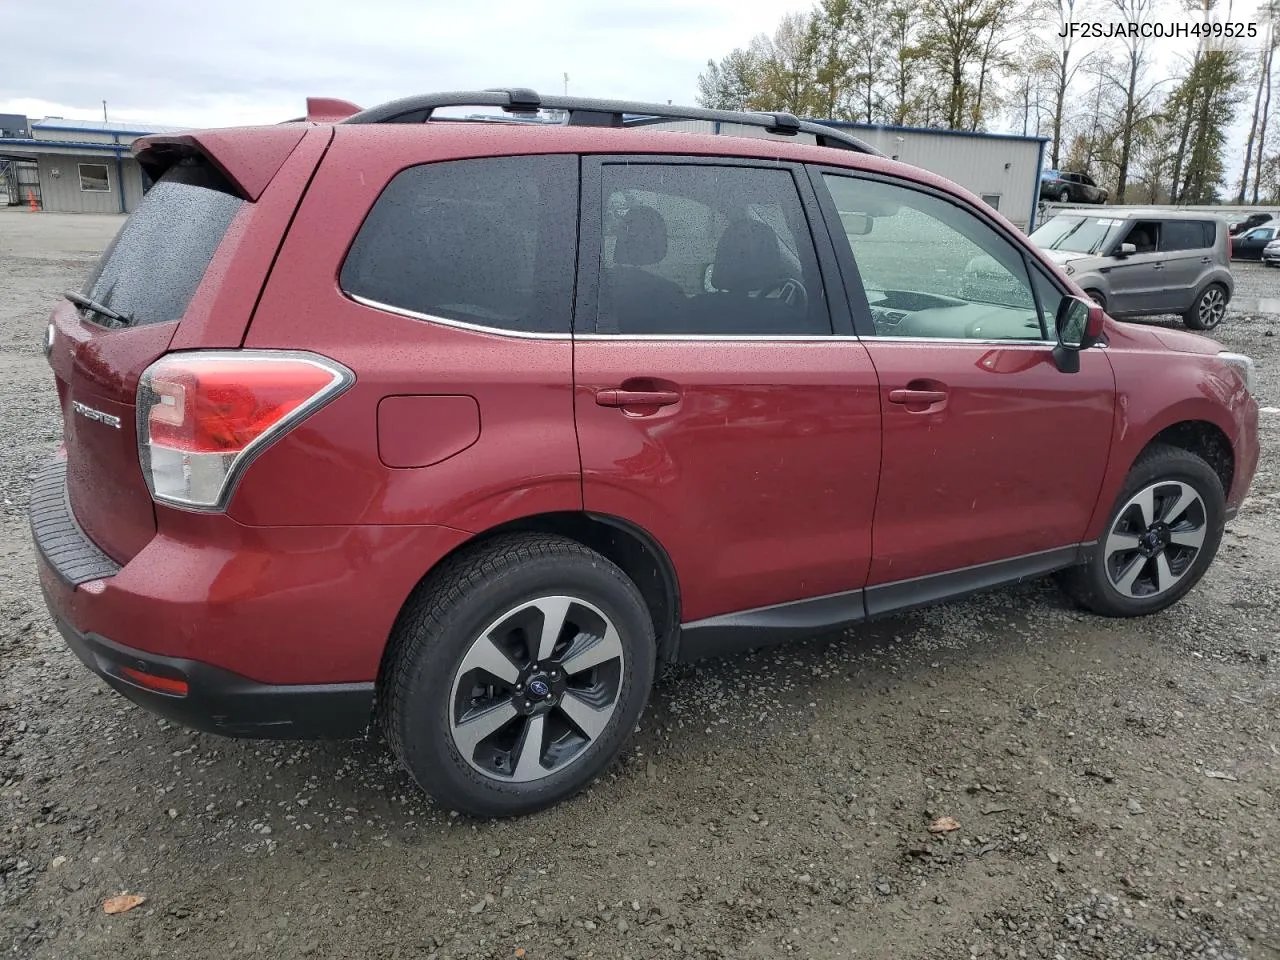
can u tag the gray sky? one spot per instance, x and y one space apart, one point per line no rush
255 61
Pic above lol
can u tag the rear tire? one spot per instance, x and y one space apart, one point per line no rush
1208 310
1160 537
515 674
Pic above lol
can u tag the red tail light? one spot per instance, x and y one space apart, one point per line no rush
203 417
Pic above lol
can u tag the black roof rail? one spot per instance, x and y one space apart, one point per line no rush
588 112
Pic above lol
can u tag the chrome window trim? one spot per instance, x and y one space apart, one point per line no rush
723 337
710 337
459 324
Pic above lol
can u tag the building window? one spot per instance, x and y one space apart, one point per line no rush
93 178
992 200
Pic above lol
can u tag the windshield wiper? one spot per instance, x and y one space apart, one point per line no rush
86 303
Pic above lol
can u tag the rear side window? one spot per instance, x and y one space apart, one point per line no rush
1186 235
152 268
706 250
488 241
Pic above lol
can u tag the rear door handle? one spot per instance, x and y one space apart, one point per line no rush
617 397
917 396
1157 266
1206 259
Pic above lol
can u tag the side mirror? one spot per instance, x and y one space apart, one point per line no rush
1079 324
1126 250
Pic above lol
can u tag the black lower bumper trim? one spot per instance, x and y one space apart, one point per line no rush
226 703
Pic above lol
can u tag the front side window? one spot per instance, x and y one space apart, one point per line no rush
931 268
707 250
488 241
1144 235
94 178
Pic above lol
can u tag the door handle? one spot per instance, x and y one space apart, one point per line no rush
1206 259
1157 266
618 397
917 396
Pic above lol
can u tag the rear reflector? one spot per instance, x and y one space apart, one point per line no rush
204 416
169 685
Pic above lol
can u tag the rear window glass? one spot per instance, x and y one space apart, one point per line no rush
152 268
488 241
1187 235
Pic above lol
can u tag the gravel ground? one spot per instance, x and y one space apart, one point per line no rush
775 804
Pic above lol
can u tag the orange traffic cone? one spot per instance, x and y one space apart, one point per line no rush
31 200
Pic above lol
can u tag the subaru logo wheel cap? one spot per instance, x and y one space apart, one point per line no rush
539 687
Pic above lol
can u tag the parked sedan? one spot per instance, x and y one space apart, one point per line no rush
1061 186
1245 224
1249 246
1271 254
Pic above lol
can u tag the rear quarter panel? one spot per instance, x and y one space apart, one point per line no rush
329 469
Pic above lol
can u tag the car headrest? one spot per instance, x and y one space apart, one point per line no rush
642 238
747 257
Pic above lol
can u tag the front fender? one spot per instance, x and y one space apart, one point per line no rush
1157 389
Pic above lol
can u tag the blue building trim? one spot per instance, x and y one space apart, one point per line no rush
119 149
1035 196
123 133
893 128
120 176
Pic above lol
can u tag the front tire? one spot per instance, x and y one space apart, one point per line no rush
1208 310
1097 298
515 674
1064 196
1161 536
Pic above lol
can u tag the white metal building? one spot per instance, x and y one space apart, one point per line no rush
75 166
1003 169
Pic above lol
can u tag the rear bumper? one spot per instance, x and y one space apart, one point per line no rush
276 631
218 701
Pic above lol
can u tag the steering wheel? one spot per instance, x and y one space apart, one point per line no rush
791 292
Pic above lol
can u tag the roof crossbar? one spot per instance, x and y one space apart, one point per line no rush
585 111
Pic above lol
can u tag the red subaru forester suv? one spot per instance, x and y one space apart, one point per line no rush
462 427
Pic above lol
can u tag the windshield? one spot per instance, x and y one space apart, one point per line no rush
1076 234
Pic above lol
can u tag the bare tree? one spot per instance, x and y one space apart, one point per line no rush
832 24
788 74
1203 106
730 84
992 58
1132 80
1271 45
1063 13
871 41
904 100
957 36
1253 125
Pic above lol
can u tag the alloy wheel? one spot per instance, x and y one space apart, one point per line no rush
1155 539
536 688
1213 306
